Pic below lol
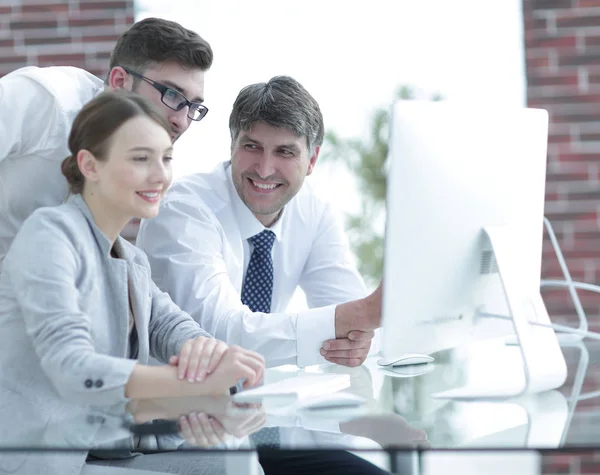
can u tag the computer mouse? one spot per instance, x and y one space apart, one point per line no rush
337 400
409 371
405 360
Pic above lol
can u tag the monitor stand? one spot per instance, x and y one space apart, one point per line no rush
543 363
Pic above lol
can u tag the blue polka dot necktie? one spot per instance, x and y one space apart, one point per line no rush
257 292
258 284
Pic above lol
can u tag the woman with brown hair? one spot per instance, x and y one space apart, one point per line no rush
77 300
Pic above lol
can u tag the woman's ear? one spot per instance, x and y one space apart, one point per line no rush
88 165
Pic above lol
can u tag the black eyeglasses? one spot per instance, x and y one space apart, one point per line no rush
174 99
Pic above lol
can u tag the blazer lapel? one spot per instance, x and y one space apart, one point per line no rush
116 274
139 293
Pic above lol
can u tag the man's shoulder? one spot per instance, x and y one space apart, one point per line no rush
204 190
70 87
309 202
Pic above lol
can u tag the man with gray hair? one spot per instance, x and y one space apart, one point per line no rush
232 246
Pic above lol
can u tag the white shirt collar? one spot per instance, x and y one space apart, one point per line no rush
249 224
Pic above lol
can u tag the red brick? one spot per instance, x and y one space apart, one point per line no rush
559 459
557 139
571 99
13 59
539 23
83 22
46 40
74 59
103 55
98 38
589 467
568 172
566 118
108 5
555 42
62 57
587 3
579 60
538 63
591 40
562 305
575 20
581 236
590 194
7 43
58 7
551 4
576 263
585 248
40 23
580 157
5 10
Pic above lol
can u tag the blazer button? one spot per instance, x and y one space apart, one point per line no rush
88 383
99 383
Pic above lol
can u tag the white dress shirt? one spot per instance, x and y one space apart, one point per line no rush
37 109
199 251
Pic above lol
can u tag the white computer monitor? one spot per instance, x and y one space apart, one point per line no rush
465 206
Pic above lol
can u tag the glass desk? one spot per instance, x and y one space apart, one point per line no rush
401 422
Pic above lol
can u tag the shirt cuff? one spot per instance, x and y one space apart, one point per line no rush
320 423
376 343
314 327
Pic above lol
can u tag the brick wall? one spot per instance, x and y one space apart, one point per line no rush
562 49
562 45
587 462
78 33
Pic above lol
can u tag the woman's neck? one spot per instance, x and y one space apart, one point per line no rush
110 221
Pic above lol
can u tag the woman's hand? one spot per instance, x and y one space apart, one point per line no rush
198 358
237 363
202 430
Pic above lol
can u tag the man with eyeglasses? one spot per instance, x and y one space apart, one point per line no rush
172 96
156 58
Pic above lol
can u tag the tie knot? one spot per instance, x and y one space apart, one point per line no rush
263 241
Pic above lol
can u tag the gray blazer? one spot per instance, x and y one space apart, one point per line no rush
64 316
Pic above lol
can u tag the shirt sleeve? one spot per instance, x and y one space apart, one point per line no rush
42 268
184 245
28 116
330 276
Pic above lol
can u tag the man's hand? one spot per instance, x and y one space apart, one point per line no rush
351 351
198 358
362 314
